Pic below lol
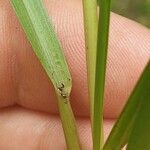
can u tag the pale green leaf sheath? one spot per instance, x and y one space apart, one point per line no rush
122 130
90 28
41 35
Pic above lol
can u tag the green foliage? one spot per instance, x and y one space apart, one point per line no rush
138 10
42 37
101 56
90 15
96 80
133 125
140 135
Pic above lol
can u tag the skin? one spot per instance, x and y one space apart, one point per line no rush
28 109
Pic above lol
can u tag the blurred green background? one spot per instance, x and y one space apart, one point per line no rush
138 10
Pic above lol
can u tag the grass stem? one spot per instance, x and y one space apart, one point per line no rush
101 57
68 124
91 28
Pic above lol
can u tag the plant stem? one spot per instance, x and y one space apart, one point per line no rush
101 56
90 27
41 34
68 124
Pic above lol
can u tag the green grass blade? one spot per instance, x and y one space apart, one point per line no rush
101 56
40 33
140 135
122 129
91 28
43 39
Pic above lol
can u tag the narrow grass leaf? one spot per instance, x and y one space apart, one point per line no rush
140 136
101 56
122 129
40 33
